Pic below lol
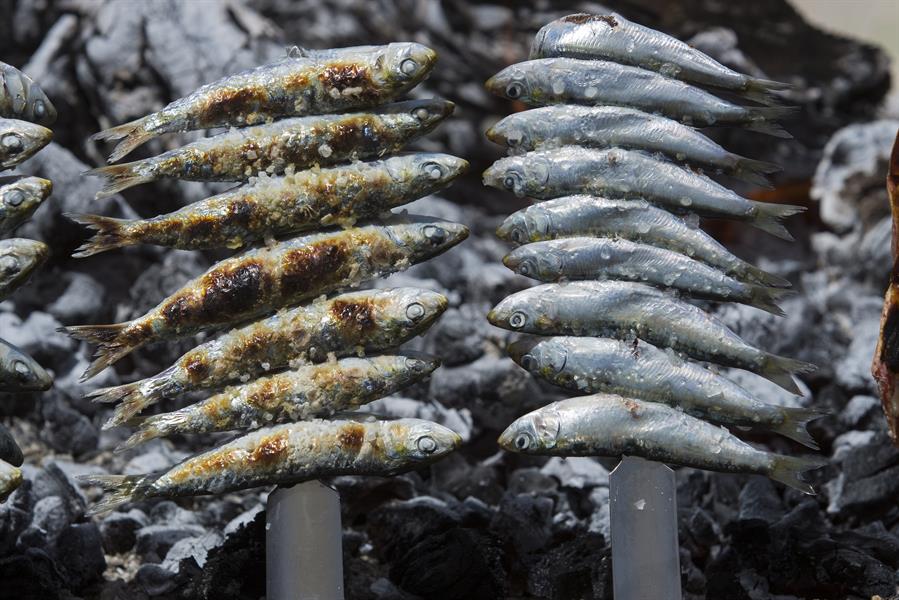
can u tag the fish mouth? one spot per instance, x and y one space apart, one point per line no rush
511 261
506 438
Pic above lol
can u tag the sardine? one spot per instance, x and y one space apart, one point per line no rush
583 258
546 81
348 324
623 309
19 372
307 392
612 37
20 140
22 98
262 280
615 126
628 173
19 258
19 198
291 87
289 454
609 425
298 143
632 219
591 364
10 479
9 449
272 207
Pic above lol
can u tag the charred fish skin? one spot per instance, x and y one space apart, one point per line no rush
620 308
291 87
546 81
10 479
22 98
632 219
307 392
262 280
609 425
276 206
272 148
19 372
348 324
583 258
19 258
621 127
288 454
612 37
548 174
19 198
20 140
589 364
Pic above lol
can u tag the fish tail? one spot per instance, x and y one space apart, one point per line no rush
786 469
121 177
769 215
754 171
111 233
762 119
764 277
795 421
132 134
764 91
150 428
110 347
119 489
766 298
780 370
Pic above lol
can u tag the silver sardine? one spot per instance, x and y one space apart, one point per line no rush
19 372
19 258
20 140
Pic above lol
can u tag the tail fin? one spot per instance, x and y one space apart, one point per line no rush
121 177
111 233
780 370
110 348
754 171
764 277
153 427
762 119
130 406
786 469
133 133
795 421
764 91
769 215
120 489
766 298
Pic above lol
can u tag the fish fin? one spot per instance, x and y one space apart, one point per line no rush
150 428
769 215
111 233
786 469
131 405
754 171
119 488
132 134
119 177
764 91
761 119
764 277
780 370
766 298
795 421
109 349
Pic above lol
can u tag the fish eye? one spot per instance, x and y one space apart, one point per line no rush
14 197
427 444
421 113
436 235
523 441
433 170
514 90
12 143
414 364
517 235
409 66
518 319
528 362
511 181
415 311
8 265
21 369
39 109
526 268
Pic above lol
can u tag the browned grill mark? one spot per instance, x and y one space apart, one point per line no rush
310 267
226 293
351 437
633 408
270 450
581 19
197 369
360 315
221 106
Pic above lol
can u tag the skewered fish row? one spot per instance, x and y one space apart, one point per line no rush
601 162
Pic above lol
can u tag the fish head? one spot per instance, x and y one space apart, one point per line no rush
431 171
40 109
534 433
19 140
426 238
537 261
406 64
421 116
523 175
409 443
401 313
19 257
29 100
512 132
546 357
512 83
21 373
417 365
517 312
20 197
